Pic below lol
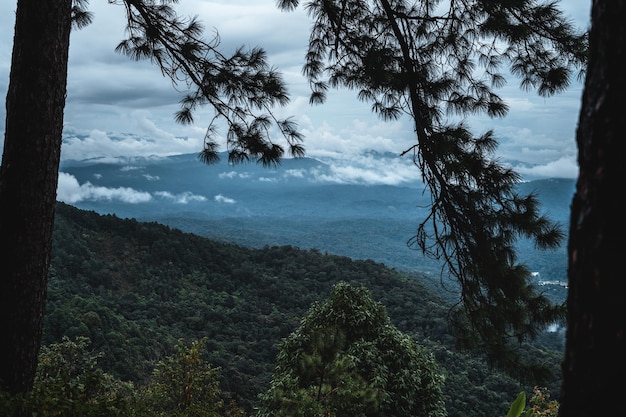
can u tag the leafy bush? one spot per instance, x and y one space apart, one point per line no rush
69 383
540 405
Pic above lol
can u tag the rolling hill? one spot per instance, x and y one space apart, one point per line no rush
134 288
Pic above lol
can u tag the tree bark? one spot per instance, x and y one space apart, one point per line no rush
594 367
28 180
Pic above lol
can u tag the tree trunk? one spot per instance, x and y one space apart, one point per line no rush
28 180
594 368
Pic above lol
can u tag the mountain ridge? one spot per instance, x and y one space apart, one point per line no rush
302 202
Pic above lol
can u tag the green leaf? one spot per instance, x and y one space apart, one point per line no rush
518 405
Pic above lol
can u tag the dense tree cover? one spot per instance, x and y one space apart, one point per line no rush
135 288
241 88
69 382
594 368
375 235
438 63
401 75
347 359
411 58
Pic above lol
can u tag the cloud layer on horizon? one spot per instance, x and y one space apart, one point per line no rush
116 107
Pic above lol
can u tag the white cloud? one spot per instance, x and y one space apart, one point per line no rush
565 167
70 191
119 107
369 169
100 144
222 199
233 174
130 168
229 174
295 173
351 132
182 198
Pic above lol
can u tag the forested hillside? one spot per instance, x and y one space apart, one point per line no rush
299 203
134 288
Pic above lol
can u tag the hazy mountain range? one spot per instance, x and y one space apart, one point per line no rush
304 202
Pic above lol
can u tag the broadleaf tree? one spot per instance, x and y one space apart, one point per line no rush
185 384
439 63
242 89
69 382
347 359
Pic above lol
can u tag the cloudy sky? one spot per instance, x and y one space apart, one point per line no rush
119 107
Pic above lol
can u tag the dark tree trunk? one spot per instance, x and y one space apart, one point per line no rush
594 368
28 180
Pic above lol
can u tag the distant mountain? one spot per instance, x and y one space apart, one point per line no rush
302 202
297 188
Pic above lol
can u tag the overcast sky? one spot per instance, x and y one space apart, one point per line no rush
119 107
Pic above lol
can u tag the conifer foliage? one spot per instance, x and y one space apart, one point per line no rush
242 89
439 63
347 359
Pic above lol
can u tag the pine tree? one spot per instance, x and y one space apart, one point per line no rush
241 88
347 359
439 61
594 367
28 180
